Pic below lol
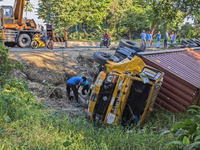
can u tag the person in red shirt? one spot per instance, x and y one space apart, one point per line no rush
106 35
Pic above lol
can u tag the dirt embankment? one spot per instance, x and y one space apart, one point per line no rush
48 72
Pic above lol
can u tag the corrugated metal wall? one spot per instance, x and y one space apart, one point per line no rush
181 83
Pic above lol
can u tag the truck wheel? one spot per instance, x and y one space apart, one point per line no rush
128 43
10 44
143 47
102 58
24 40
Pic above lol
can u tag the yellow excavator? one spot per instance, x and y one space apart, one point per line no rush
15 29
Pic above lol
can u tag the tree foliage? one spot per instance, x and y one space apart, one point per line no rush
122 18
28 7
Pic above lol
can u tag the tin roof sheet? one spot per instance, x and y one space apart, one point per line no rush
181 82
184 64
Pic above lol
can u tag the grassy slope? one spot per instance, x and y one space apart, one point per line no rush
27 124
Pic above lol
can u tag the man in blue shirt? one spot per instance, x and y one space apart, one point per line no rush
43 35
158 39
143 37
74 83
148 39
166 39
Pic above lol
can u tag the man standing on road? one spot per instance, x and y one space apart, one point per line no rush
143 37
166 39
148 39
74 83
158 39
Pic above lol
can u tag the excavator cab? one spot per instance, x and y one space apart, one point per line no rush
7 15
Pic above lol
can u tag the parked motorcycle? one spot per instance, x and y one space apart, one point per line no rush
104 42
38 42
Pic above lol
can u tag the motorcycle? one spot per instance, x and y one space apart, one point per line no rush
38 42
104 42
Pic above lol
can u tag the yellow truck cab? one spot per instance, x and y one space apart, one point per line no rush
125 92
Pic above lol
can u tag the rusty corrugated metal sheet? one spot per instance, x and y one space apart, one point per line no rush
181 83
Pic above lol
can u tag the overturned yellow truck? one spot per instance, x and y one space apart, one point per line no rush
124 92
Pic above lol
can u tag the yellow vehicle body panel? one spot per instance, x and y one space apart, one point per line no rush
39 41
124 76
135 65
95 91
119 97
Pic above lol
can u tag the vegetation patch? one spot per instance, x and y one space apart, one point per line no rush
27 122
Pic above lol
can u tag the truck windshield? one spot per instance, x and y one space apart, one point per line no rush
8 12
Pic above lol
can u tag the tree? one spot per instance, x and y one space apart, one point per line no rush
126 16
92 13
185 29
136 17
62 13
28 7
161 12
189 7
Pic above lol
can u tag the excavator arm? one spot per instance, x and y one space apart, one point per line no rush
18 10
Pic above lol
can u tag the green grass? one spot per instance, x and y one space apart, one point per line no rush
26 124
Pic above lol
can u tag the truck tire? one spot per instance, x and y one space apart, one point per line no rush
9 44
102 58
24 40
128 43
143 47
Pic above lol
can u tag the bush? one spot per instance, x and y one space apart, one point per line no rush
16 101
76 36
6 66
192 34
187 133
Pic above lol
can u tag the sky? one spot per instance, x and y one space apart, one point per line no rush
31 15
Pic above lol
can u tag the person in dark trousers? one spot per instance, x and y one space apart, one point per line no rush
166 39
74 83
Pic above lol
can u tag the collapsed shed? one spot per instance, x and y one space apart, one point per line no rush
181 85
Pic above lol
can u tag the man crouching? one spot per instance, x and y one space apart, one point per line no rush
74 83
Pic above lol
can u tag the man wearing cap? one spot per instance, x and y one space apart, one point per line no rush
74 83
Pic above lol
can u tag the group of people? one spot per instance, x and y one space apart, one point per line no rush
147 38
